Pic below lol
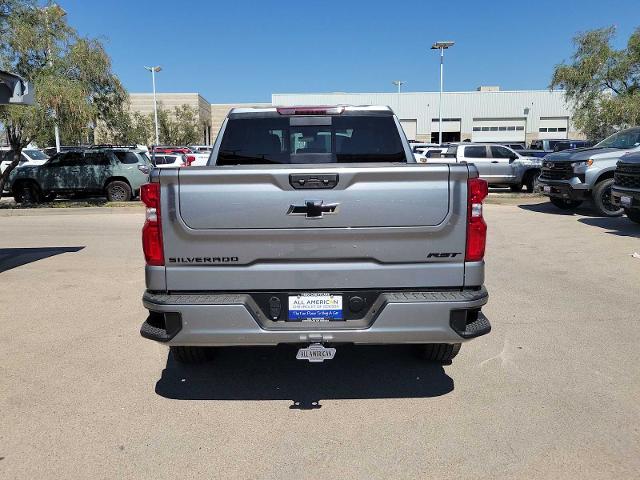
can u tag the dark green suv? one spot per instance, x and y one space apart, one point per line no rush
117 173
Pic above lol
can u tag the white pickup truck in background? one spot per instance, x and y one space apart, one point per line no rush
497 164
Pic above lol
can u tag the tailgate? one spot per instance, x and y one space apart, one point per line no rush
270 198
257 228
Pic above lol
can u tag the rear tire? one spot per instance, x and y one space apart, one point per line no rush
439 352
633 214
563 204
192 355
118 191
531 182
27 193
602 199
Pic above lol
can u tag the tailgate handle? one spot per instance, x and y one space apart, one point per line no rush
313 181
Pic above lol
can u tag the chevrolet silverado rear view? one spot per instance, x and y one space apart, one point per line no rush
314 226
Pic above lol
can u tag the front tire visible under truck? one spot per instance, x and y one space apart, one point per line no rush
565 204
192 355
439 352
602 199
634 215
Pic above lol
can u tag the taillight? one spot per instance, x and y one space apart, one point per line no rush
310 110
477 190
152 229
190 159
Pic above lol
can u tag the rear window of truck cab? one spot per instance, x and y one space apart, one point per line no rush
307 140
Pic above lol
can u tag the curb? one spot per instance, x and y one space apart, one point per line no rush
34 212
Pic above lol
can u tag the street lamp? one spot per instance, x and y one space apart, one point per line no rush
55 8
153 71
442 46
399 83
526 111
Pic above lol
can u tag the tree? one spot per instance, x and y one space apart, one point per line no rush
178 127
602 83
71 75
127 128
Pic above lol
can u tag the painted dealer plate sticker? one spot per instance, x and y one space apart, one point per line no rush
315 307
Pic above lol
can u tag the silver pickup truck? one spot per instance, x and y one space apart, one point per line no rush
314 226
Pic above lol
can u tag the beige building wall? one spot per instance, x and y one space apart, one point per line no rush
220 110
143 103
210 115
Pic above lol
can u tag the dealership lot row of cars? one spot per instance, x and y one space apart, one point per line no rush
607 173
112 171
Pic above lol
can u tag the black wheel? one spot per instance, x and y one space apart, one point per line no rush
27 193
516 188
192 354
532 182
118 191
602 199
565 204
439 352
633 214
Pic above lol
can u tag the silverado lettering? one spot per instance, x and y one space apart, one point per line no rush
203 259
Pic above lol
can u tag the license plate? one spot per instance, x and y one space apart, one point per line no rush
315 307
546 189
626 201
316 353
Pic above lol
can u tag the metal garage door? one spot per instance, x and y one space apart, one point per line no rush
553 127
410 128
450 129
498 130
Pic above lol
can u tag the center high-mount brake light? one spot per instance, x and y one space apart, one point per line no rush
477 190
190 159
310 110
152 229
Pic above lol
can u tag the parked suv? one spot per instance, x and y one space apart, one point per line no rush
169 160
626 186
29 157
571 176
117 173
498 165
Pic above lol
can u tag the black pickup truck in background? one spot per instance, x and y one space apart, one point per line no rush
625 191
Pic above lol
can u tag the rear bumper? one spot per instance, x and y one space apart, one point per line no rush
395 317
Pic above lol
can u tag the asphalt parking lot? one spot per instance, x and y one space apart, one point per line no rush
552 392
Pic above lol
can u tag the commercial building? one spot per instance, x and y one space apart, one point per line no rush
210 115
485 115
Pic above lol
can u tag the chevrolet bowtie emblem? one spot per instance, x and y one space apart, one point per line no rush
313 209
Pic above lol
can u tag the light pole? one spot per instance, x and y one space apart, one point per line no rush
442 46
61 13
399 83
526 111
153 71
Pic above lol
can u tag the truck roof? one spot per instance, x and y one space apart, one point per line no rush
312 109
